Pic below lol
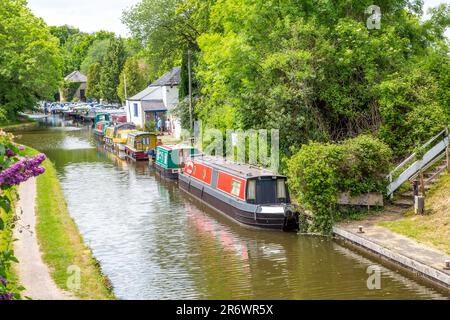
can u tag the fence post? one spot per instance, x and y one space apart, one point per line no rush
422 183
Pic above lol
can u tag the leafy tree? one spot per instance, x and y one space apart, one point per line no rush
135 73
75 51
111 69
96 54
93 82
30 59
63 32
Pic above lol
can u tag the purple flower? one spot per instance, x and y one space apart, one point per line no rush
6 296
9 153
21 148
3 281
22 170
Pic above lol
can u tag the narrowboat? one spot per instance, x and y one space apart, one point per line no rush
121 138
100 129
101 117
171 159
251 196
139 145
111 132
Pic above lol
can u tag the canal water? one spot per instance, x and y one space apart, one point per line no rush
154 242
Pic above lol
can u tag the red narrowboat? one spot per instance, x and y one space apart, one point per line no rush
251 196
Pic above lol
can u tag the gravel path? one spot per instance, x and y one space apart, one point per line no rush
32 272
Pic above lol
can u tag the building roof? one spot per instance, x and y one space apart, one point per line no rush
141 96
153 105
171 78
76 76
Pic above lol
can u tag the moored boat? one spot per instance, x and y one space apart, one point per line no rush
171 159
121 138
251 196
139 144
100 129
112 132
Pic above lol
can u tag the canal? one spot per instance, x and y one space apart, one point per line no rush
154 242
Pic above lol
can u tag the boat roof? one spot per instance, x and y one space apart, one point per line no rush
140 133
104 122
176 147
241 170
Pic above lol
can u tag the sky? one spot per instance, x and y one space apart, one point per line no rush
95 15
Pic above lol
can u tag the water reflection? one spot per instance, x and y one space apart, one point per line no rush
156 242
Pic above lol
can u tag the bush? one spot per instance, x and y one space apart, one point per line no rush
319 172
150 126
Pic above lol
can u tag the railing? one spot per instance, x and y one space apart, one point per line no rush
437 147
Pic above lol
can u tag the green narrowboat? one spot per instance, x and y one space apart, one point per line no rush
101 117
171 159
100 129
140 144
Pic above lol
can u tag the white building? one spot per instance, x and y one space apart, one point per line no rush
157 101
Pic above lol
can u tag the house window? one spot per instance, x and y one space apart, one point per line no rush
136 110
236 188
251 192
281 189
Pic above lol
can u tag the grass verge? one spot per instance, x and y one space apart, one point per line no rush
22 123
434 227
60 241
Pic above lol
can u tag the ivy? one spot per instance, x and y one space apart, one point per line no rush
70 89
319 172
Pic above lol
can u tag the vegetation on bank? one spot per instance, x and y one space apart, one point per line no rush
318 173
20 123
60 241
433 228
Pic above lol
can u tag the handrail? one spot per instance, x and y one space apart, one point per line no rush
414 154
427 160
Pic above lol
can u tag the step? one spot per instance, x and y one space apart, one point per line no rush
404 203
393 209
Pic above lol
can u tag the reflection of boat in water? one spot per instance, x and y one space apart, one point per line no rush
251 196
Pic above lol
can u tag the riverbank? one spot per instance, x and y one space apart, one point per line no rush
23 123
420 244
61 244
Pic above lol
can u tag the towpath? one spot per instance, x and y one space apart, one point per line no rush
423 260
32 272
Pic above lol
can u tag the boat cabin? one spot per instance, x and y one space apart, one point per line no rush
100 129
171 159
139 144
101 117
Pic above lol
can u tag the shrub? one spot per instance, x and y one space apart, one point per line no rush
319 172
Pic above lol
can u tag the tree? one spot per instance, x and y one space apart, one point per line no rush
63 33
75 51
93 82
30 59
111 69
96 54
135 73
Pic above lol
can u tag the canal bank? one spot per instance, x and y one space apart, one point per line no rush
155 242
416 258
53 245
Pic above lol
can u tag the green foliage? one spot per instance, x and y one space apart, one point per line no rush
96 54
319 172
135 72
69 89
30 59
93 82
63 33
111 69
150 126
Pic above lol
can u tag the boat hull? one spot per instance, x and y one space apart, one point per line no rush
136 155
242 213
171 174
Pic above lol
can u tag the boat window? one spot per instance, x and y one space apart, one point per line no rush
281 189
204 173
236 188
251 192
